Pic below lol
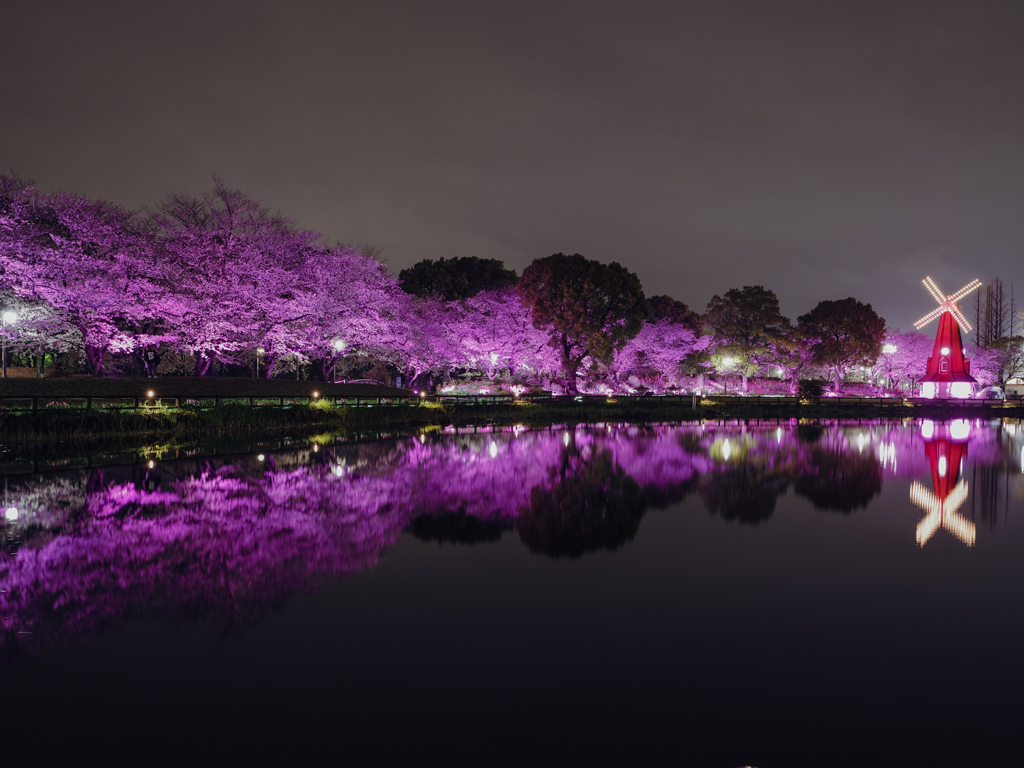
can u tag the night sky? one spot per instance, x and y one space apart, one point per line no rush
820 149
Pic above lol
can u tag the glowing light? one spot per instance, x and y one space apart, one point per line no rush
261 457
9 319
493 449
728 361
944 350
316 394
927 429
11 514
261 351
565 439
494 357
423 394
339 345
151 464
316 448
960 429
960 389
150 393
726 450
778 435
928 389
860 443
423 439
942 466
889 349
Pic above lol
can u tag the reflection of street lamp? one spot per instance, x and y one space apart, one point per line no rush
9 318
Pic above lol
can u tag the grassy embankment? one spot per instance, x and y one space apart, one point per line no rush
212 408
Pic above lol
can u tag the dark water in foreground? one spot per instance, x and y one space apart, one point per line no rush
719 594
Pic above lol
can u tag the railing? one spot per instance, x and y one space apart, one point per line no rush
41 403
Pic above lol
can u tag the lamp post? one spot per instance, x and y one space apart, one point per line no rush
260 351
727 364
339 347
889 349
9 318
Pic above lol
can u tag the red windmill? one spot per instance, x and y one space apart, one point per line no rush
948 375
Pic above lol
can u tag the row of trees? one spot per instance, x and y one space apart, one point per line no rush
219 281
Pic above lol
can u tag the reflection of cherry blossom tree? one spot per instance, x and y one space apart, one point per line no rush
238 538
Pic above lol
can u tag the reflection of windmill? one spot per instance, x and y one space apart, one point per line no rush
942 512
945 447
948 375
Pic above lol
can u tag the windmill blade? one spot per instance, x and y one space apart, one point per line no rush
927 527
959 317
959 527
933 289
928 318
924 498
965 290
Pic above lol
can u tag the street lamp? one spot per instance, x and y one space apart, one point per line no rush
9 318
889 349
260 351
727 364
339 347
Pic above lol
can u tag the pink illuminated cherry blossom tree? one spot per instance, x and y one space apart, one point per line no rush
89 261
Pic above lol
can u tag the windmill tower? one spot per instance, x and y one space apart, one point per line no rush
948 374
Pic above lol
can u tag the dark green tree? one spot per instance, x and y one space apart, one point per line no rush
457 278
588 308
667 308
746 323
849 333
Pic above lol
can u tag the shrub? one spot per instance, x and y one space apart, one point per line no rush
811 388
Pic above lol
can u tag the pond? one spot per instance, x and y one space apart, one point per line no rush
727 593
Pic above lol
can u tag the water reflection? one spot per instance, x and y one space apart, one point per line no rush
236 536
946 448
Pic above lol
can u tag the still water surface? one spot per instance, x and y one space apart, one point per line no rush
717 594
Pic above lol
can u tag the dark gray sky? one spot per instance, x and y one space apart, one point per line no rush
822 149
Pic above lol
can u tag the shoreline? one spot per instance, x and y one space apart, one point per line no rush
72 431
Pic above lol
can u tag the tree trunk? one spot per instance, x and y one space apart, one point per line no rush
94 355
40 365
203 364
